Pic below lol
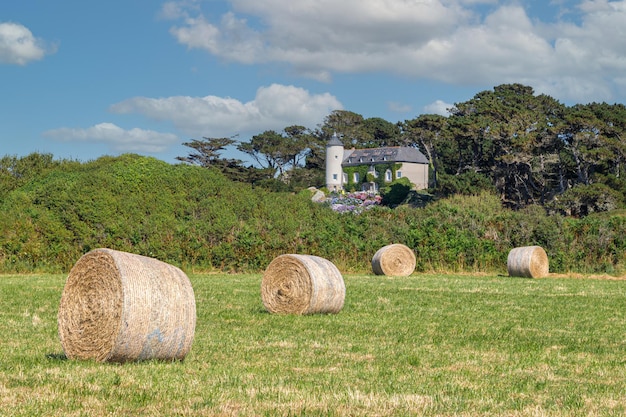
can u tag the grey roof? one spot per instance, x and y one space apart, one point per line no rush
334 141
384 155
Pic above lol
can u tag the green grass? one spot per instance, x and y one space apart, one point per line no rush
428 345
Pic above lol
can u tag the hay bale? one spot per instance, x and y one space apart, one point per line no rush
302 284
120 307
394 260
528 262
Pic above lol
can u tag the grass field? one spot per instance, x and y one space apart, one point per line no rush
428 345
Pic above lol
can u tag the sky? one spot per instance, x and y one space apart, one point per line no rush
80 80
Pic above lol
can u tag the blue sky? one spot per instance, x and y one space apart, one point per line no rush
84 79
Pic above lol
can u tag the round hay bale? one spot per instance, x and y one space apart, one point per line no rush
394 260
302 284
120 307
528 262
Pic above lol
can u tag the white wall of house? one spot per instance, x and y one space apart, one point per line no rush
416 173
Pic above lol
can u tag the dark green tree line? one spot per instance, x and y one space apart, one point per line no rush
529 148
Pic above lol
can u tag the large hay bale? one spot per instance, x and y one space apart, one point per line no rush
302 284
119 307
394 260
528 262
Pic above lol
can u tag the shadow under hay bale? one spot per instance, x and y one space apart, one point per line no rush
394 260
120 307
302 284
528 262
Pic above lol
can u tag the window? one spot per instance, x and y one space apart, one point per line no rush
335 177
344 178
356 177
398 174
388 174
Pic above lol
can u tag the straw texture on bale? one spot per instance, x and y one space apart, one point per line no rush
120 307
302 284
394 260
528 262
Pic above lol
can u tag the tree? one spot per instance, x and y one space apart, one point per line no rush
297 143
208 153
14 171
346 124
612 130
276 151
377 133
583 200
358 132
581 135
508 135
427 133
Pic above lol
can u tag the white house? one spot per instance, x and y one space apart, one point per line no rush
362 168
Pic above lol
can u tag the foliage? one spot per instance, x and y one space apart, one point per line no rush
198 219
530 148
586 199
467 183
396 192
15 171
207 153
278 151
427 345
367 176
427 133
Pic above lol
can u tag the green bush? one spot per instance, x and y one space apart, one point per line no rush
396 192
467 183
586 199
196 218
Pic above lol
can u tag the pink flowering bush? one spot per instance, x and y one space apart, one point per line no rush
354 202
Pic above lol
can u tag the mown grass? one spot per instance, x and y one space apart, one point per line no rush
431 345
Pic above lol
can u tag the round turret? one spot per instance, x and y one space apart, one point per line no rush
334 158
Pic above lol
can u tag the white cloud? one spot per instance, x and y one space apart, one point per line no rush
438 107
19 46
502 49
596 5
274 107
321 36
118 139
463 42
178 9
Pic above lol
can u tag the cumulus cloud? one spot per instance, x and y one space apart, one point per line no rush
118 139
316 37
438 107
19 46
274 107
463 42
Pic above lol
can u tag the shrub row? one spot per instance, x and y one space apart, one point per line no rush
195 218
